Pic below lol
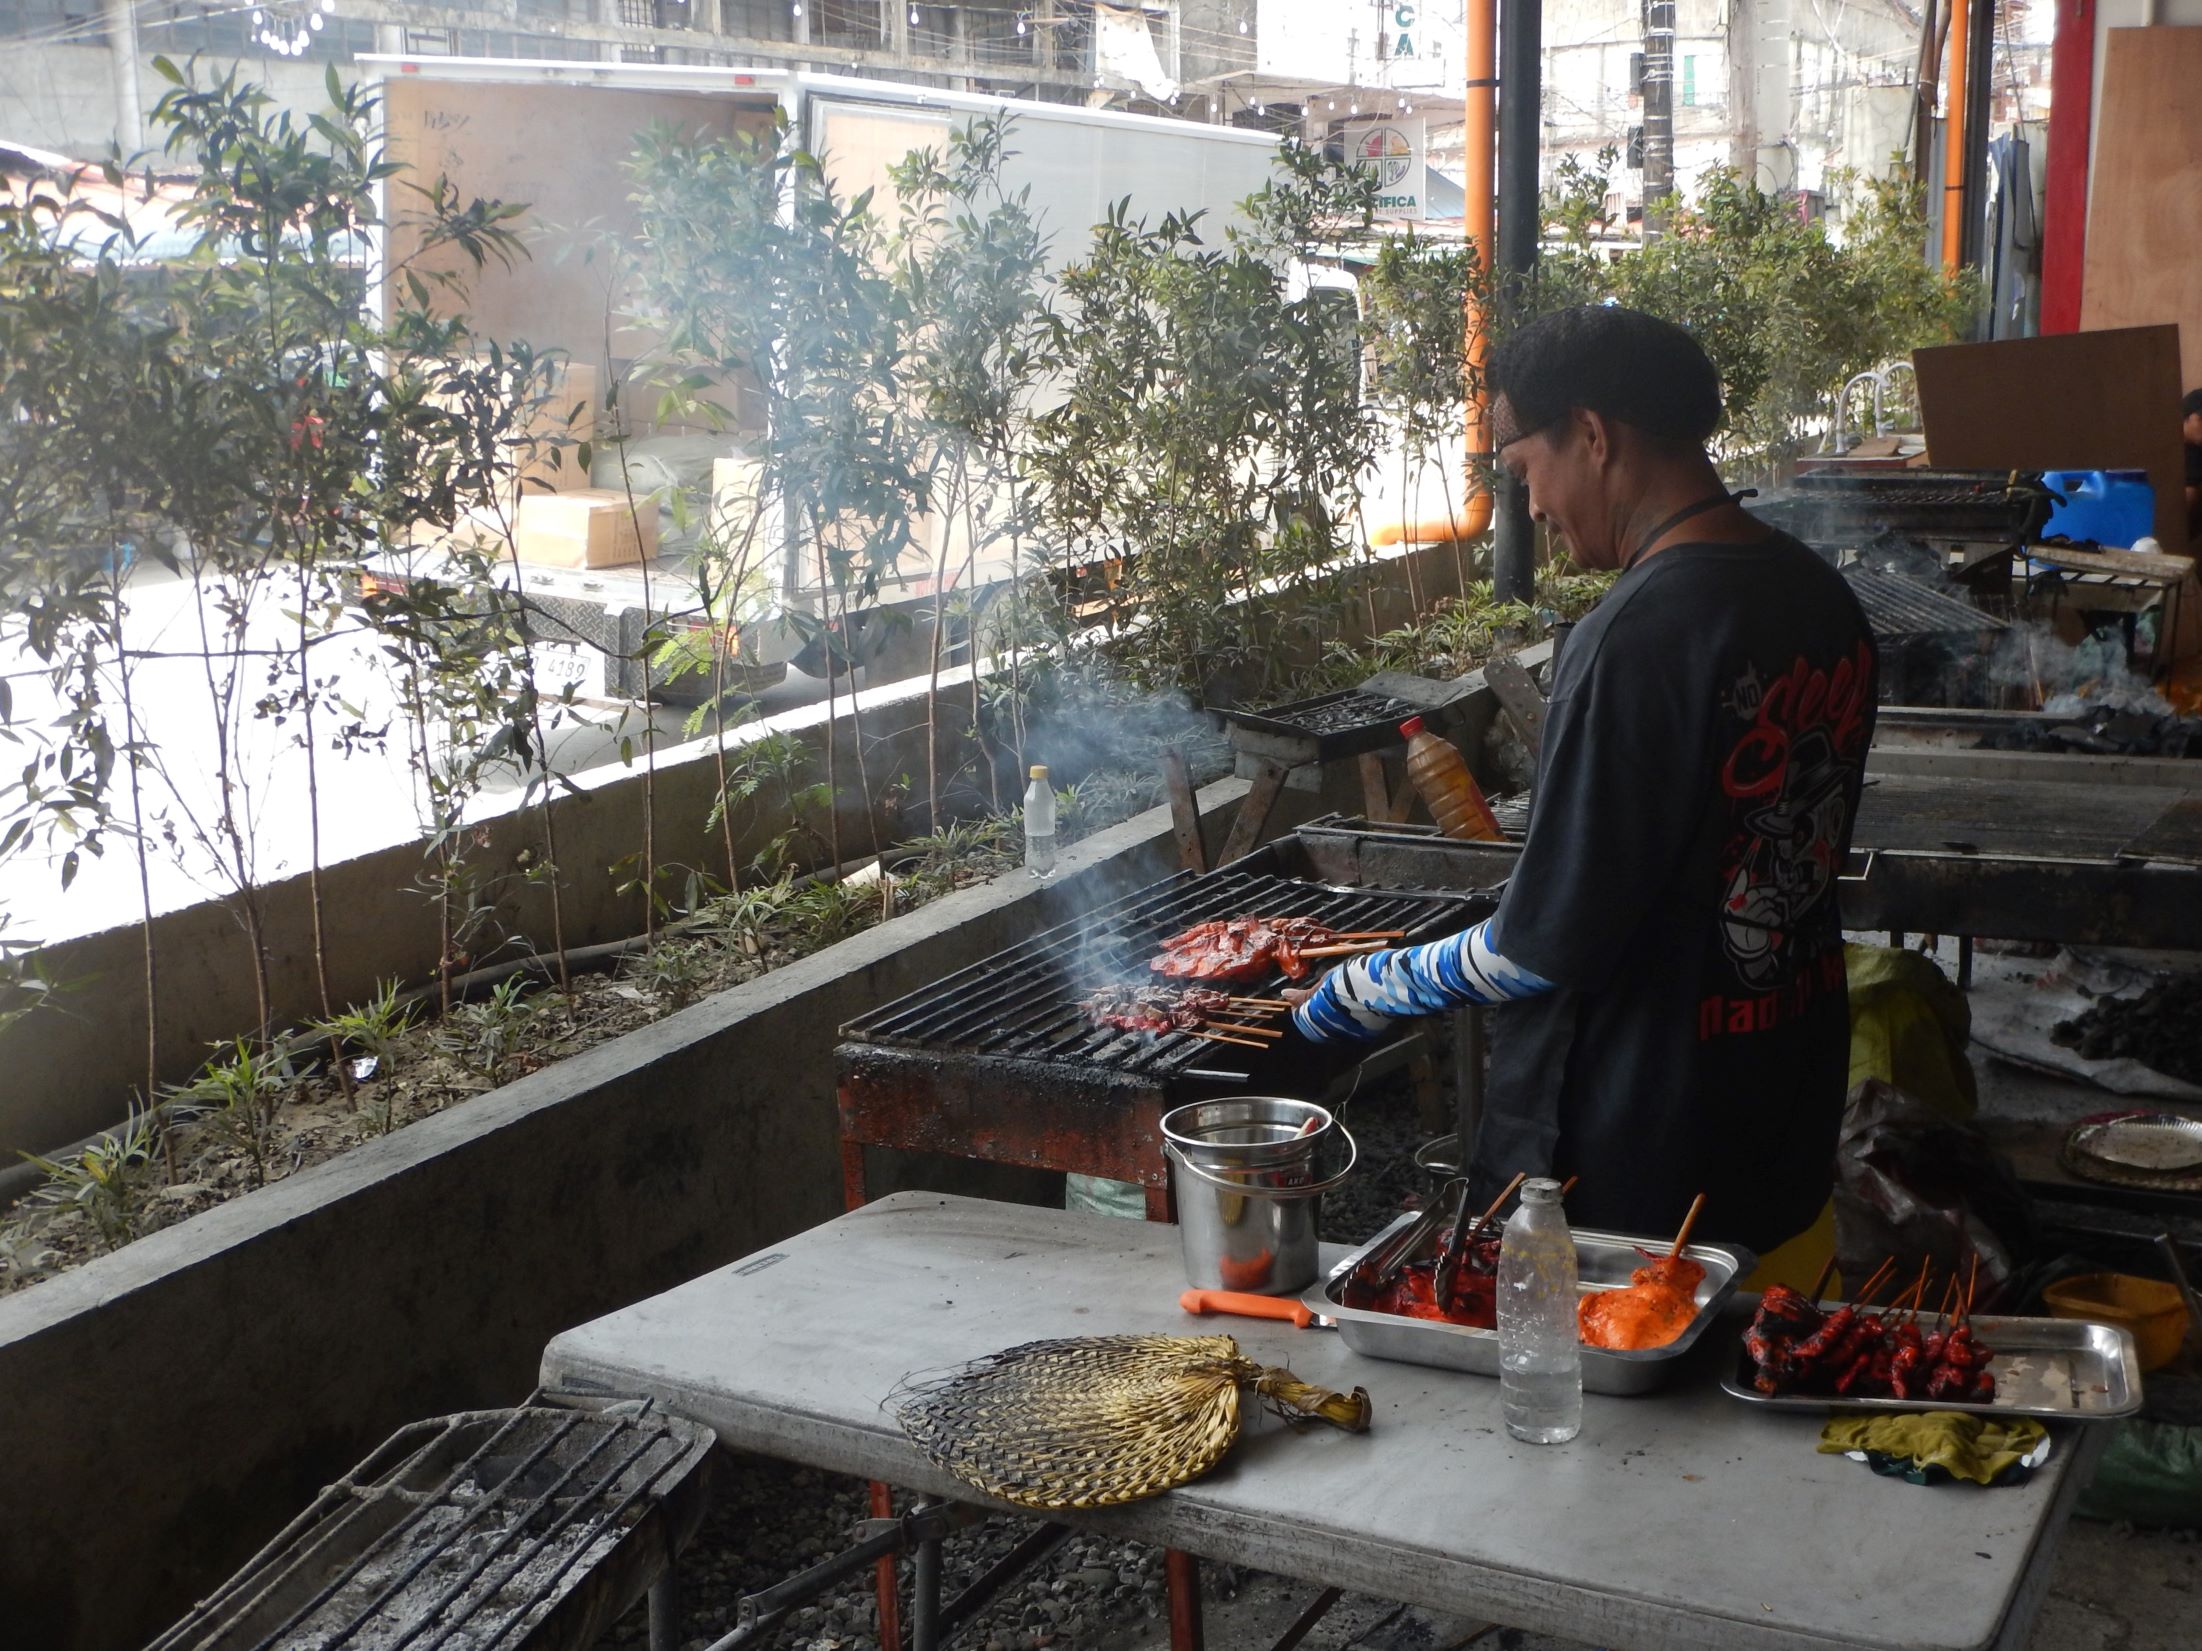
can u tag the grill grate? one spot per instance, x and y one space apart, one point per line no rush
487 1531
1903 610
1329 726
1024 1003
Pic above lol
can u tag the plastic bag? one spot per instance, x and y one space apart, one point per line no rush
1910 1182
2151 1475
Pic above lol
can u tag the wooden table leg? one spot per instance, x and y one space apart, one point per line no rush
1246 830
1375 788
1192 854
1187 1632
1402 799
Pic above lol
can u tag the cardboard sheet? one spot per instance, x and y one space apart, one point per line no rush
2080 401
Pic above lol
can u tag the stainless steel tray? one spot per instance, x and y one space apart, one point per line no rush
1603 1260
2063 1369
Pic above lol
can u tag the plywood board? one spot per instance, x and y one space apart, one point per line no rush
561 151
2081 401
2144 221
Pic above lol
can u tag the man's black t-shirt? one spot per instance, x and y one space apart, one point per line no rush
1703 753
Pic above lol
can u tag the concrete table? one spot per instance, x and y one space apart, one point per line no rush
1684 1519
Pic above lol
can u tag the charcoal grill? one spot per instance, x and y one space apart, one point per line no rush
504 1530
999 1061
1837 511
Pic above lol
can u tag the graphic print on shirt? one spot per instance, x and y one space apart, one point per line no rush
1788 780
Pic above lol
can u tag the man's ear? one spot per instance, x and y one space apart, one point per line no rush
1596 432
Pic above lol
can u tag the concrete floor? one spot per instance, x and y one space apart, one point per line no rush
2116 1589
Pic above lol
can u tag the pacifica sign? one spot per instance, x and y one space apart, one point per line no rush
1392 152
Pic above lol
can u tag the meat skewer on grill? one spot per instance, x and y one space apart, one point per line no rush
1250 948
1139 1008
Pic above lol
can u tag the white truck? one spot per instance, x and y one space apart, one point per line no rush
557 136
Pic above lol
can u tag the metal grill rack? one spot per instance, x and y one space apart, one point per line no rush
1903 611
1026 1002
1000 1062
504 1530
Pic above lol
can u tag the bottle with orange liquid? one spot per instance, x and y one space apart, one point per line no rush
1455 800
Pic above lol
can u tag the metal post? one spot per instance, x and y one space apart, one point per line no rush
1658 114
1521 99
665 1609
122 52
925 1597
1981 49
1468 1049
1187 1632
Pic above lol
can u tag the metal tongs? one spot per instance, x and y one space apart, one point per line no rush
1381 1265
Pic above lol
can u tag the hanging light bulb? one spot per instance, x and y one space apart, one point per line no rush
797 9
314 22
1356 109
1020 23
913 14
258 18
328 6
1242 25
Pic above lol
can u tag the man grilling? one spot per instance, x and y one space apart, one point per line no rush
1668 951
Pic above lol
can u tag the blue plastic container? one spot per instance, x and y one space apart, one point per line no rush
2107 507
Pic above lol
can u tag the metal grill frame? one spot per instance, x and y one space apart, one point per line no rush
1088 1099
644 1465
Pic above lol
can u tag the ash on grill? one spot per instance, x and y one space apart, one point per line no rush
520 1530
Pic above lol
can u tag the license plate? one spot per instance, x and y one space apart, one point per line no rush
558 664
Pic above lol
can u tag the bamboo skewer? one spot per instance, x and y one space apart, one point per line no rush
1873 1284
1681 1238
1234 1026
1368 934
1355 949
1222 1037
1819 1285
1269 1003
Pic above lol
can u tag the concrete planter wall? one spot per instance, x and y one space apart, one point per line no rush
65 1072
164 1410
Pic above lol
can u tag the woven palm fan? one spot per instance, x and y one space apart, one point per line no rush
1091 1421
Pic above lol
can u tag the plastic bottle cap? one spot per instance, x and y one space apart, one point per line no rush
1039 771
1411 727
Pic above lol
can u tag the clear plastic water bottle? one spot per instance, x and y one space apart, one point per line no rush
1039 823
1540 1360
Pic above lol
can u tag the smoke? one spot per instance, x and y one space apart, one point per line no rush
2064 677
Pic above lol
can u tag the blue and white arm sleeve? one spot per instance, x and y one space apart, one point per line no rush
1352 1003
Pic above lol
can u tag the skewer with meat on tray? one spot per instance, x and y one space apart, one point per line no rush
1459 1285
1853 1352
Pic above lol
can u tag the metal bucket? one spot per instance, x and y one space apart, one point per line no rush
1243 1169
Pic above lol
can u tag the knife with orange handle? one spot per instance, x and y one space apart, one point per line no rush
1242 1304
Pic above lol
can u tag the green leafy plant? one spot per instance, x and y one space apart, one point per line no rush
239 1097
489 1036
108 1182
371 1028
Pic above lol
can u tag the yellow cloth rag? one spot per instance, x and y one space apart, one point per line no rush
1966 1446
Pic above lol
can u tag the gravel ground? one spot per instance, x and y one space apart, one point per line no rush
770 1519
